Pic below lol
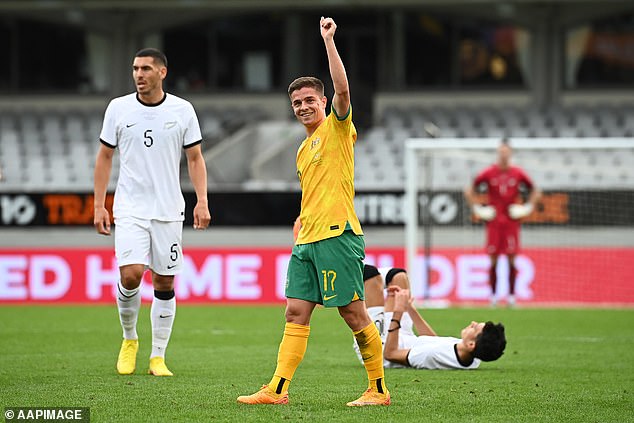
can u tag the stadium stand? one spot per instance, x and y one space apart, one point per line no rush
47 149
569 84
380 150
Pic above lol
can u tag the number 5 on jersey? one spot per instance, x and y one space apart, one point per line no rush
148 138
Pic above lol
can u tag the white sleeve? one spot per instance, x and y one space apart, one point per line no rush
192 132
109 128
407 325
436 352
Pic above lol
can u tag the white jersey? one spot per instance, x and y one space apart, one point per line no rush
426 352
433 352
150 139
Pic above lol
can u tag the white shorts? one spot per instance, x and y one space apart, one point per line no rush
154 243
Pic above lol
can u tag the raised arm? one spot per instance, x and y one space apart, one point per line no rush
341 99
421 325
391 351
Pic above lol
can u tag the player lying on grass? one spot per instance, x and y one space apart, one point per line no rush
397 320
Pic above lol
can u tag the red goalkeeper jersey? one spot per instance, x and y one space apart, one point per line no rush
503 186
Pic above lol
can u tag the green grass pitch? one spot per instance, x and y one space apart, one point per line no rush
560 365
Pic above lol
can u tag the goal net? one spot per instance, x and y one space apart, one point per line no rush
577 246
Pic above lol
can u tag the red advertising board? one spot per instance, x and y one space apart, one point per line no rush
257 275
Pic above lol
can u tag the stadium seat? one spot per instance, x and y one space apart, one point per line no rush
63 144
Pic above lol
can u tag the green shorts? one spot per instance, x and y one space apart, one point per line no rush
328 272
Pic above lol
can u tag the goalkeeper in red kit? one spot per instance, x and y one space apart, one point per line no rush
503 184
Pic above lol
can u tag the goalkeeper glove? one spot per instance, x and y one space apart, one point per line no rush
518 211
485 213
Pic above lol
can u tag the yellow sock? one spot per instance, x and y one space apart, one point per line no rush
290 354
369 341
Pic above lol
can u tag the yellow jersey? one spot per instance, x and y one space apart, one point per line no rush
325 167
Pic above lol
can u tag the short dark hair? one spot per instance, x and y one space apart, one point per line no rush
490 343
158 56
369 271
306 81
391 273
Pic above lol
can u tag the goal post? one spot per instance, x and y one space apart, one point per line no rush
586 219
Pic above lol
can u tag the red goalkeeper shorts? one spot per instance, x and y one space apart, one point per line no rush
503 236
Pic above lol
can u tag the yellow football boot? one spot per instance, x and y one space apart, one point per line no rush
264 396
126 363
158 367
371 397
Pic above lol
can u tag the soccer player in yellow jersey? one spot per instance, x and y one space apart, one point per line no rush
326 266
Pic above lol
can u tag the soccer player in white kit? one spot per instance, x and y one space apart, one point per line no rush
150 128
398 321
